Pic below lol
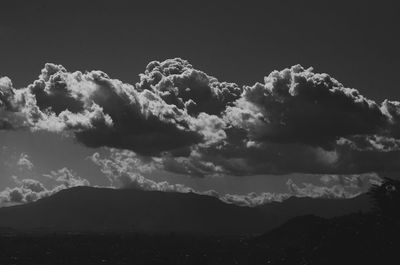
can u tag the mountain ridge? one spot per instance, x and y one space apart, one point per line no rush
93 209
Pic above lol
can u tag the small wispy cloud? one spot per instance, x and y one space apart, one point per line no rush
24 162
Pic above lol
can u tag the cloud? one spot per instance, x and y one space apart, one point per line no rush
67 178
179 84
10 117
189 122
101 111
6 93
122 115
125 169
335 186
24 163
301 121
30 190
253 199
298 105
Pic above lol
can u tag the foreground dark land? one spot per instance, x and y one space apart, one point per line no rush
358 238
352 239
128 249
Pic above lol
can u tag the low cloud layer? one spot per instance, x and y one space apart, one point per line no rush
191 123
128 170
30 190
335 186
125 169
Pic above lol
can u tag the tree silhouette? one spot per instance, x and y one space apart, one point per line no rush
386 198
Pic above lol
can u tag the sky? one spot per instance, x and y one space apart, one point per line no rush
200 123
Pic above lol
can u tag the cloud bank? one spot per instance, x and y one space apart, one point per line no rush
335 186
191 123
127 170
30 190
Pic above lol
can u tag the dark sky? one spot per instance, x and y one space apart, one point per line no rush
355 42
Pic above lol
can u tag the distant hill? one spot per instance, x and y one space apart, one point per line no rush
89 209
358 238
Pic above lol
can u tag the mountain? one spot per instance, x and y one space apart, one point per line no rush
89 209
357 238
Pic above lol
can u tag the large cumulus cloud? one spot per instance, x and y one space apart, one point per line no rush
297 105
191 123
301 121
106 112
179 84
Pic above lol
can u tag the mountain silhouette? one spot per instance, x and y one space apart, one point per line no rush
89 209
358 238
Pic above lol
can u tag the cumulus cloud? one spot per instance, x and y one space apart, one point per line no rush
102 112
189 122
297 105
6 93
301 121
179 84
67 178
10 117
30 190
124 170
